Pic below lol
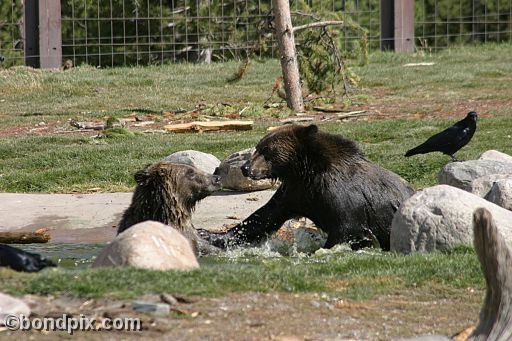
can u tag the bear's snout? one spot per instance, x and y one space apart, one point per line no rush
246 168
216 180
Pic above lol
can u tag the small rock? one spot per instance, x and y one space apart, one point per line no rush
203 161
159 309
12 306
232 177
501 194
149 245
169 299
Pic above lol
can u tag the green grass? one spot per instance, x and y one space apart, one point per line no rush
62 164
462 79
353 275
469 74
29 96
71 163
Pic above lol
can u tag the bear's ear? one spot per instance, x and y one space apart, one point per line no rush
142 177
309 130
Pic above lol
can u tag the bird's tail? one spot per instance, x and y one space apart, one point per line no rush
416 150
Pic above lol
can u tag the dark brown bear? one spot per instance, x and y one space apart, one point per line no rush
325 178
168 192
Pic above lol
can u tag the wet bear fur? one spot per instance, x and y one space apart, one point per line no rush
326 178
168 192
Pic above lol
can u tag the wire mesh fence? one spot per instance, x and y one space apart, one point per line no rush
141 32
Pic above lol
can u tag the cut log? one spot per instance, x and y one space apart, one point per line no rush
494 252
39 236
209 126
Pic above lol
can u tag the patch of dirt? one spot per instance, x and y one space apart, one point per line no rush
272 316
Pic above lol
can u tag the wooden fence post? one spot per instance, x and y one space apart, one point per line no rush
43 41
50 40
397 25
31 32
387 25
404 26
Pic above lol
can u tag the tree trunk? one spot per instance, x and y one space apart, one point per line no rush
495 255
286 43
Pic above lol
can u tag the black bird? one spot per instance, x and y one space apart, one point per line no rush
450 140
20 260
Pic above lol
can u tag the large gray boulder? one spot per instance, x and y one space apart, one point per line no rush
232 177
149 245
482 185
439 218
495 155
501 193
203 161
12 306
462 174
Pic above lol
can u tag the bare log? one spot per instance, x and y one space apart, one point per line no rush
495 255
39 236
286 44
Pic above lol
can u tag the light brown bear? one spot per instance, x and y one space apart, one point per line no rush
168 192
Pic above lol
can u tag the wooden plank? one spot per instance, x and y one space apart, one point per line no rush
404 26
50 40
209 126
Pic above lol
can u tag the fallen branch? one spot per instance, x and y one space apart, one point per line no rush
318 24
88 125
358 113
495 256
296 120
39 236
209 126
